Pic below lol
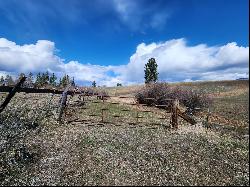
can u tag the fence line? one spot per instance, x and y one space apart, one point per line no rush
172 108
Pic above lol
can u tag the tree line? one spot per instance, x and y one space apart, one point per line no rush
41 79
44 79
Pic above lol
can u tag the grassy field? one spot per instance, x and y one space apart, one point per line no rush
36 150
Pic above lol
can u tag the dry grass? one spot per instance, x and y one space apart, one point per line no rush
36 150
82 155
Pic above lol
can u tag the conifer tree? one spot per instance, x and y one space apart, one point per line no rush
9 80
73 82
151 74
93 84
38 79
1 80
30 77
52 79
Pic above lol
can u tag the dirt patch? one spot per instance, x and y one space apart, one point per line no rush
129 100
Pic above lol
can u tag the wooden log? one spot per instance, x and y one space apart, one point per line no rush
189 119
123 97
12 92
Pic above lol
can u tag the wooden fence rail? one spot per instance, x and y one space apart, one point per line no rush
35 90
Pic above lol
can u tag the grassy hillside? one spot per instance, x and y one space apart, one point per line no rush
88 153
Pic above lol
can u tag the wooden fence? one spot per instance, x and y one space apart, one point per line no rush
172 108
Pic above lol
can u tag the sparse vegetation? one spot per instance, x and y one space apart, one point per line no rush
36 150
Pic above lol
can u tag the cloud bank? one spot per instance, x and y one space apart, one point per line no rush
177 61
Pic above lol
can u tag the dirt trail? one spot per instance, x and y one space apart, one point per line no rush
129 100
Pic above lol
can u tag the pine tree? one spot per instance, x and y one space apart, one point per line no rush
46 78
1 80
73 82
93 84
60 82
9 80
151 74
64 81
21 75
43 79
30 77
67 80
38 79
52 79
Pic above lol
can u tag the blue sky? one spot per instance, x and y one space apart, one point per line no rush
110 39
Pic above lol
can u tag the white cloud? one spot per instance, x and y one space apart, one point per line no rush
176 61
33 57
41 57
137 16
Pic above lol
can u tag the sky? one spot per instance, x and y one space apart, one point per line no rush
110 41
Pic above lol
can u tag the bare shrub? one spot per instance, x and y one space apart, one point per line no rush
158 91
162 94
102 95
192 99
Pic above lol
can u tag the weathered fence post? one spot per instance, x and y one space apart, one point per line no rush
63 103
103 109
137 113
207 125
12 93
174 117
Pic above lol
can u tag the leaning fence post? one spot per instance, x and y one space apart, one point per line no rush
103 109
174 116
207 125
63 103
12 93
137 113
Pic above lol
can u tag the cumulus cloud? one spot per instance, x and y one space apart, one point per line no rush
177 61
41 57
32 57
